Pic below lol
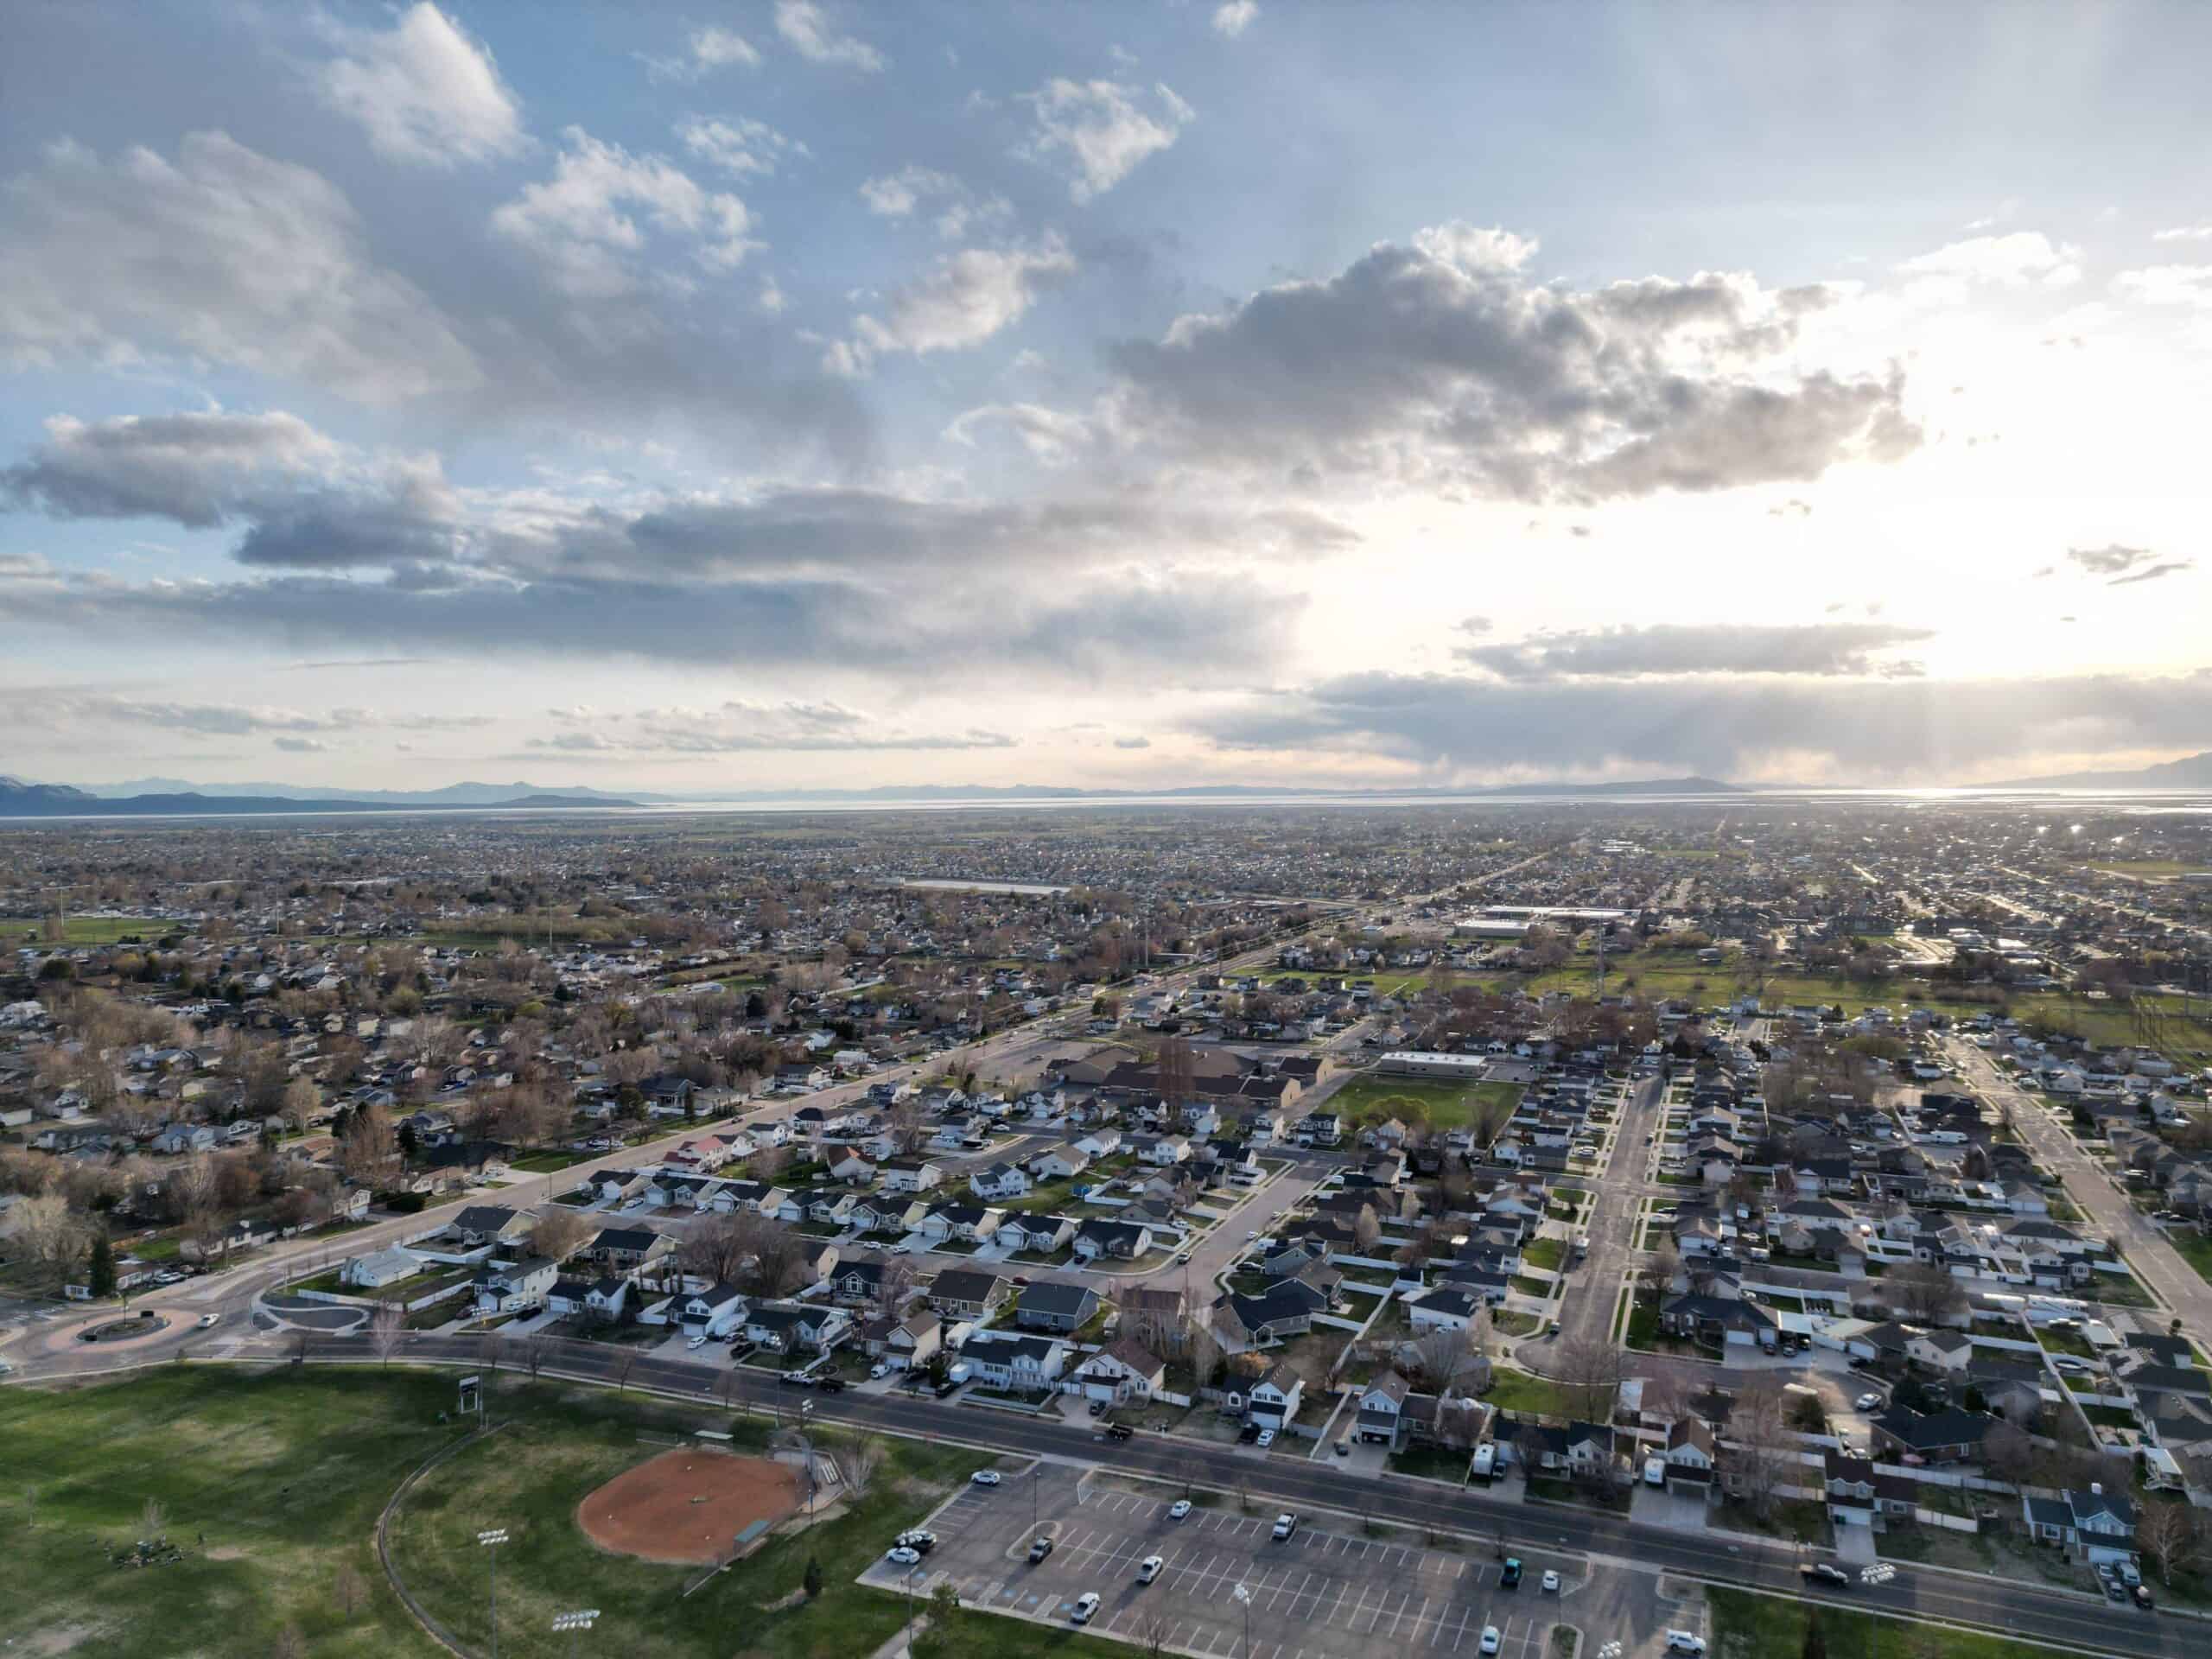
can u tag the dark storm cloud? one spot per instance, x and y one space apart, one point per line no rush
1707 648
1897 730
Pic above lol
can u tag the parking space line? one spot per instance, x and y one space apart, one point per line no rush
1421 1618
1460 1635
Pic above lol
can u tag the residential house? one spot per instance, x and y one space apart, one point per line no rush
1124 1369
2095 1525
790 1327
911 1174
1950 1435
966 1293
1000 1181
715 1311
1062 1163
1125 1241
1276 1398
1040 1234
1055 1304
1019 1364
514 1286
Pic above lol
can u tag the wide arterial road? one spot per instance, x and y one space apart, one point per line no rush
2022 1610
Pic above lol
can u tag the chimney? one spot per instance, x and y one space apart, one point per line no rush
2096 1488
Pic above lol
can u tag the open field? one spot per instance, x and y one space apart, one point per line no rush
90 930
1746 1626
1441 1105
284 1475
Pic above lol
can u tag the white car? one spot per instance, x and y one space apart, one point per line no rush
985 1477
1178 1508
877 1370
1086 1606
1868 1401
902 1248
1490 1642
1286 1523
904 1555
1549 1582
1148 1569
696 1342
1684 1641
208 1321
1267 1439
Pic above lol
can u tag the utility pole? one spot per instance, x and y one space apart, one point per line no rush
492 1539
1243 1593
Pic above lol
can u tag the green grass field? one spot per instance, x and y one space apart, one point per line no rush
1441 1105
89 930
1747 1624
283 1475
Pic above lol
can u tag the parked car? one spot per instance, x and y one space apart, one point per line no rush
831 1384
1118 1431
877 1370
1285 1524
1249 1434
1549 1582
1510 1578
903 1555
920 1538
1178 1508
1183 1259
208 1321
1489 1640
1685 1641
985 1477
1149 1568
2143 1597
1040 1550
1098 1407
1867 1402
1267 1439
1086 1606
696 1342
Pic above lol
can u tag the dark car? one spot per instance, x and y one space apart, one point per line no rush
1098 1407
1823 1573
2116 1591
1251 1434
2143 1597
1040 1550
1118 1431
1511 1578
944 1389
832 1384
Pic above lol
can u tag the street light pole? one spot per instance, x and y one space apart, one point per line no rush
1244 1594
492 1539
575 1624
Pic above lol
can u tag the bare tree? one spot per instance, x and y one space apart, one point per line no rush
346 1590
1152 1634
2170 1535
1666 1261
536 1351
2009 1452
370 1152
712 1246
1925 1292
1592 1369
49 1236
1764 1452
1365 1229
288 1644
387 1330
1440 1356
560 1232
857 1461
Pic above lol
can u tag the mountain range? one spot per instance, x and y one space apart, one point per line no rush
21 800
2191 772
176 795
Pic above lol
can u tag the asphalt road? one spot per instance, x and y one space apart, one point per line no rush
2156 1261
2023 1610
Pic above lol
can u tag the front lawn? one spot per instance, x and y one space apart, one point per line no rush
1523 1393
1545 1253
1432 1463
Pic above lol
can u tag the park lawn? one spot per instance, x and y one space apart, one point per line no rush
91 930
1424 1100
529 1478
1746 1622
283 1474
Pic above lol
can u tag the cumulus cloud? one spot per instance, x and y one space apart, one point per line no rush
1098 131
189 719
196 468
740 144
2123 566
1233 17
581 223
1132 742
806 28
2011 261
222 254
2184 285
306 502
897 195
1674 649
1441 365
1889 731
964 299
424 92
301 745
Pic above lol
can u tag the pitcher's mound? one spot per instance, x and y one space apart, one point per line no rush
689 1505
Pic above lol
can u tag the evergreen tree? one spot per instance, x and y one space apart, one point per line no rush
813 1578
103 1266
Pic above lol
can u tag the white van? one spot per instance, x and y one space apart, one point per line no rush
1654 1472
1485 1459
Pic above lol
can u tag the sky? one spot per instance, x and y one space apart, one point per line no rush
811 394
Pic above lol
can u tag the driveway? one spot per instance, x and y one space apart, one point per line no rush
1678 1511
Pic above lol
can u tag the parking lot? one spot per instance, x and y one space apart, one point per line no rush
1329 1592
